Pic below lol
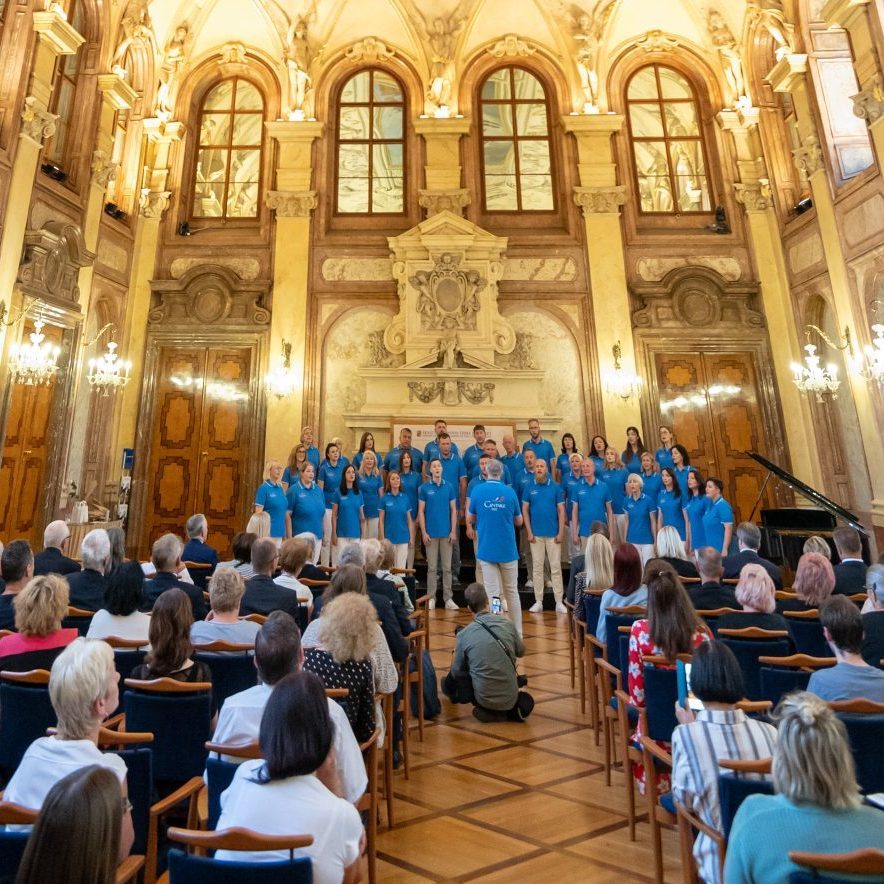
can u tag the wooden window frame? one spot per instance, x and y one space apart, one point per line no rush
59 76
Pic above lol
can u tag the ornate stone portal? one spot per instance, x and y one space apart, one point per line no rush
448 345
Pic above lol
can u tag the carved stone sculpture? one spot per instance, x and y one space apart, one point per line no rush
771 16
731 61
440 34
369 49
174 57
511 47
37 124
869 104
297 60
587 31
447 295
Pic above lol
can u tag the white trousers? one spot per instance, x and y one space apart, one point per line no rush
619 528
436 546
371 528
501 580
400 555
325 552
645 551
546 548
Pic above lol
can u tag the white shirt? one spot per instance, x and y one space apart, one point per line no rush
240 720
134 626
294 806
50 759
289 582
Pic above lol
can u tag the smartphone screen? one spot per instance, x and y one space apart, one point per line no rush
685 698
495 605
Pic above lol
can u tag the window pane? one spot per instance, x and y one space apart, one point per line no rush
531 119
248 129
500 193
674 85
527 86
687 157
656 193
207 200
692 193
854 159
220 97
353 195
646 120
497 85
386 161
387 123
211 165
386 89
387 195
215 130
354 124
650 158
353 161
248 97
643 85
681 119
499 158
497 120
534 157
356 88
537 193
245 165
242 199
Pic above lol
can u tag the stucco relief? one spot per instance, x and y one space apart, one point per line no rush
654 269
245 268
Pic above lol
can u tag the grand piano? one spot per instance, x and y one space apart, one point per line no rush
784 529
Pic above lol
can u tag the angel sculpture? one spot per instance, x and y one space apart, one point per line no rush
587 31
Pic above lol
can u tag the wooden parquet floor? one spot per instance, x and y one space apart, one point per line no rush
515 802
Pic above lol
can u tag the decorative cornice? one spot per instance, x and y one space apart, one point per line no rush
435 201
294 130
658 41
809 158
869 104
600 200
103 168
117 92
511 47
57 33
369 49
442 126
843 13
159 130
154 203
755 196
787 72
593 124
291 203
36 124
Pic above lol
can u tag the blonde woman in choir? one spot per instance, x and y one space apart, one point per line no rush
371 484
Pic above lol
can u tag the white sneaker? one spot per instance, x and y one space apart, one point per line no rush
432 604
529 583
536 608
452 605
560 608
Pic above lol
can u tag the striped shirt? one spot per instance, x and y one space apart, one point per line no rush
696 748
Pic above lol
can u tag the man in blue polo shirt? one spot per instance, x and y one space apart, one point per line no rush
541 447
570 480
454 472
489 448
472 454
494 513
437 518
511 457
543 512
432 448
476 480
591 502
391 461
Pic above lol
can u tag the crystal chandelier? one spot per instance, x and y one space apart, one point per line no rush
620 382
34 363
282 380
813 378
875 355
109 372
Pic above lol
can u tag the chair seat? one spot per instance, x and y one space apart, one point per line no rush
631 711
667 802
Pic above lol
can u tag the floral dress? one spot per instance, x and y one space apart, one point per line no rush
640 646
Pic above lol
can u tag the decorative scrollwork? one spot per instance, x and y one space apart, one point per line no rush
425 393
448 297
476 393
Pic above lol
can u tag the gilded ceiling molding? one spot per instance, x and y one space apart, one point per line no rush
869 104
755 196
37 123
600 200
292 203
809 158
435 201
511 47
369 49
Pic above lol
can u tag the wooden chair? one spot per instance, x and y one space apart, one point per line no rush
610 685
864 720
368 803
689 823
782 675
219 776
313 584
785 595
576 654
421 618
27 713
409 676
868 861
77 618
593 649
232 666
197 566
748 645
260 619
808 632
389 746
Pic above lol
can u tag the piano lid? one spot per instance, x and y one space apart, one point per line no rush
810 493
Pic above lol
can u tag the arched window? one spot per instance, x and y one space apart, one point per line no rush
64 94
667 142
516 164
229 157
371 145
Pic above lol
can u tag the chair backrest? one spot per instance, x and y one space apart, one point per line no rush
592 603
865 732
139 781
27 714
233 668
178 715
733 789
808 634
711 616
219 775
748 649
867 861
613 622
775 683
661 694
12 844
77 619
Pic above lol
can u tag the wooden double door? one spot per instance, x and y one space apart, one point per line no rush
712 401
202 445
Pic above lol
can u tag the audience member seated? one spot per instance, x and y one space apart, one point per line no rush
851 677
39 609
277 654
719 730
388 560
292 788
197 550
222 623
813 583
242 554
627 587
670 548
873 617
850 572
79 835
374 554
117 539
293 555
816 544
84 690
817 806
672 627
756 594
262 595
597 571
166 559
310 571
120 617
749 542
710 594
52 559
171 651
259 525
17 568
86 587
483 670
343 657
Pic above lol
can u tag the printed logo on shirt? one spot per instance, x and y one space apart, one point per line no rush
498 503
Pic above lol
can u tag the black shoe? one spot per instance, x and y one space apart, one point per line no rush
486 716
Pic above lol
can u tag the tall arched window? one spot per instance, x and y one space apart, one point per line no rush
227 179
516 163
667 142
64 94
371 145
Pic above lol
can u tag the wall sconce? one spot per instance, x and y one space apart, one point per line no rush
282 380
811 377
108 373
620 382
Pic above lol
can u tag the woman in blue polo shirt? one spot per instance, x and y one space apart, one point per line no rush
615 476
635 448
411 483
307 507
718 520
663 454
695 505
650 474
270 498
348 516
681 465
371 484
312 450
597 449
563 461
366 443
292 471
670 504
328 478
396 523
641 518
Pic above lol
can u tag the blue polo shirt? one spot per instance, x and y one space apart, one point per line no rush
396 508
696 505
671 506
514 463
563 464
314 456
357 459
431 450
523 480
272 498
349 505
331 480
639 512
714 519
495 506
543 449
632 460
570 484
453 470
476 471
471 457
663 456
411 482
543 507
653 485
616 482
591 503
308 508
476 480
372 488
599 463
391 460
682 476
437 510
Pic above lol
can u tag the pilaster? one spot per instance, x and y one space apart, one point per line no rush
442 172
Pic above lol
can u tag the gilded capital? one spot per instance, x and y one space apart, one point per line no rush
809 158
292 203
37 124
756 196
600 200
435 201
154 203
103 168
869 104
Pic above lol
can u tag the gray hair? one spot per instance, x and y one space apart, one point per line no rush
709 562
749 534
494 469
95 549
816 544
56 533
165 552
194 525
80 675
352 554
875 582
669 544
373 554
